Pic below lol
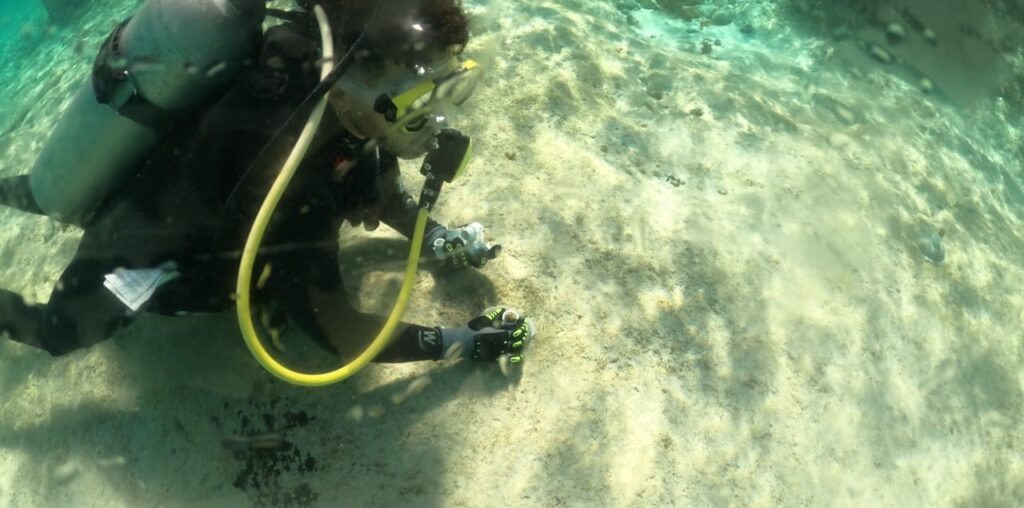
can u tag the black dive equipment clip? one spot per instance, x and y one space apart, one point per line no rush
443 164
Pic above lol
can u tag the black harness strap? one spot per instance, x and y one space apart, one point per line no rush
114 85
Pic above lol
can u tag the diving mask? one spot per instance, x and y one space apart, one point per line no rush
403 111
410 109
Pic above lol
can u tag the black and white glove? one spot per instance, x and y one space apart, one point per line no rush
462 247
498 332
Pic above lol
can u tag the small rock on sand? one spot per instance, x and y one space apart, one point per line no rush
895 32
839 140
930 36
845 115
722 18
927 86
881 54
931 247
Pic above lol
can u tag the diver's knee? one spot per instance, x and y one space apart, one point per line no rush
16 193
54 348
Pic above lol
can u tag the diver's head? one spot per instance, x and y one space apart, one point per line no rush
407 77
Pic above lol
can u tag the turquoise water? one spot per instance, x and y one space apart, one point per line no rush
773 250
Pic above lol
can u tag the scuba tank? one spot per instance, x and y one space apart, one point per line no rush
169 58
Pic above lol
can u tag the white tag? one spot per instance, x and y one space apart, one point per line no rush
135 287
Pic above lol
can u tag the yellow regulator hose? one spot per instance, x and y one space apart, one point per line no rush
245 269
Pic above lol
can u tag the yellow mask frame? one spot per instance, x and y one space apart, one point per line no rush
410 108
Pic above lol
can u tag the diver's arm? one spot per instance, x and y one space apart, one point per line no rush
398 209
307 287
459 248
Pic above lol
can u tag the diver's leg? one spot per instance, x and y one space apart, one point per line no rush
310 291
80 313
16 193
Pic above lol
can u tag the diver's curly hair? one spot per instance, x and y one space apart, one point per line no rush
389 28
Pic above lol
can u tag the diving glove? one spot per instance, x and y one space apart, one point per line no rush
462 247
498 332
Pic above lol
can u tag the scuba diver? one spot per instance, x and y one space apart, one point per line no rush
165 156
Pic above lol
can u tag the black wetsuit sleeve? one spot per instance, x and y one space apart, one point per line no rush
398 208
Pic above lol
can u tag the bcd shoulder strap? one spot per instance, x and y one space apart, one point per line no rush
288 62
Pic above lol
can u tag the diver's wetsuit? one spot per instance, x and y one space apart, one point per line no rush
192 203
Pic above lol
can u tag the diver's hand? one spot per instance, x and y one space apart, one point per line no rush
499 334
462 247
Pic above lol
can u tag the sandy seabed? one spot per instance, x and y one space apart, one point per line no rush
721 248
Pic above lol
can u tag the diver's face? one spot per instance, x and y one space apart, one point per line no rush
355 95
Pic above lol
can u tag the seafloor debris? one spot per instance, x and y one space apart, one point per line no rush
881 54
658 84
927 85
416 386
266 441
895 32
723 17
271 465
930 36
931 246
